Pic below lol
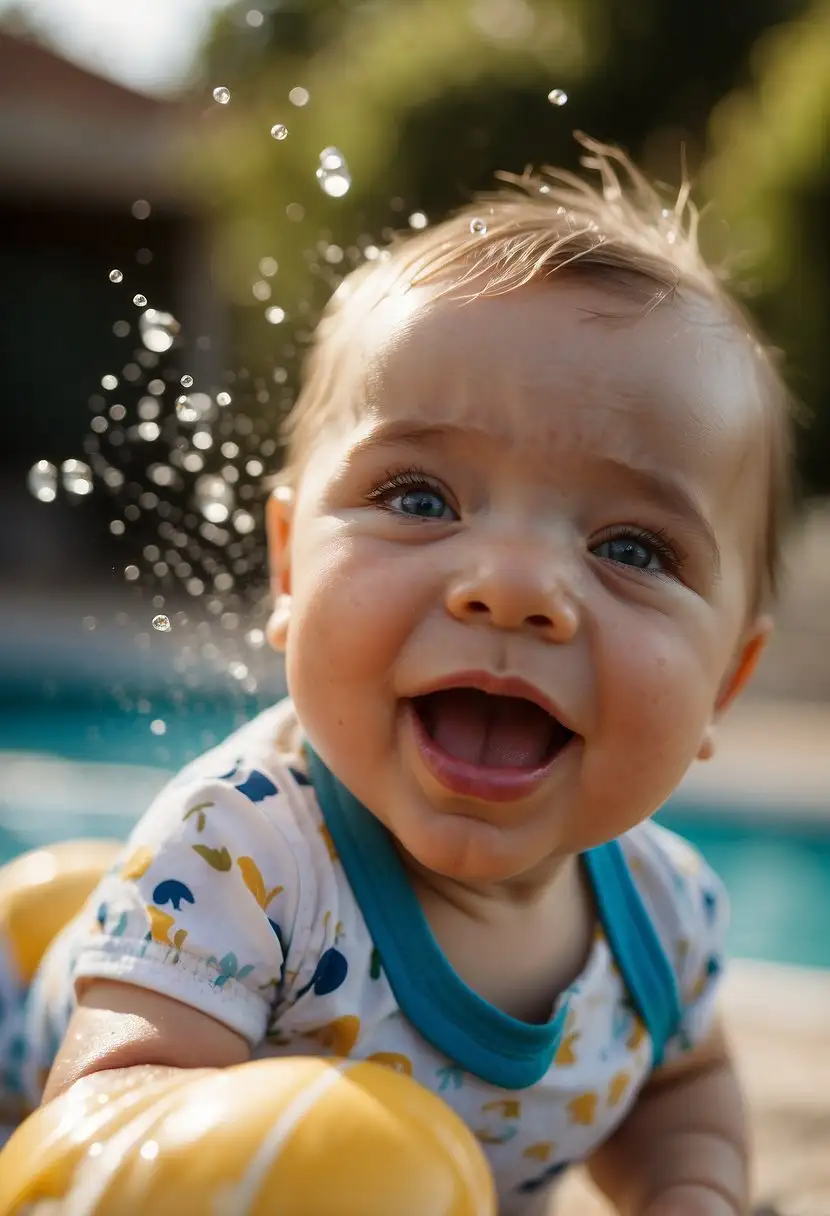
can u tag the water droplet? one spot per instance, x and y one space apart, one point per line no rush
478 227
159 727
222 95
117 527
238 670
139 300
116 276
268 267
141 209
109 382
299 96
223 399
158 330
261 290
121 329
162 624
255 639
279 131
214 498
97 1148
333 174
244 522
418 220
274 315
254 18
558 97
76 477
150 1150
186 382
131 573
194 407
43 481
148 431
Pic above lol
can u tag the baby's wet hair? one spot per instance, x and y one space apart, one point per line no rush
611 224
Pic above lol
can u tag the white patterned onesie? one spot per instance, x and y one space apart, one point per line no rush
297 927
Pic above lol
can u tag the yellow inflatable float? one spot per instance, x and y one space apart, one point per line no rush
281 1137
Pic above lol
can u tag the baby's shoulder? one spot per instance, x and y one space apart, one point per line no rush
250 791
685 897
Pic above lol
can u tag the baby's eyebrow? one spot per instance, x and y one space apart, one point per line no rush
666 492
418 434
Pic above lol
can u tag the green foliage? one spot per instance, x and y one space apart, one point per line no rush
770 173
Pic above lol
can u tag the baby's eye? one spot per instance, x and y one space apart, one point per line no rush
631 550
424 503
413 493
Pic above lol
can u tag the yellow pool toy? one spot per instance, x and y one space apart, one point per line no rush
280 1137
41 891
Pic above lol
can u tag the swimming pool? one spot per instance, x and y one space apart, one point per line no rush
84 767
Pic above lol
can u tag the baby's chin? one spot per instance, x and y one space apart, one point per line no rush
469 849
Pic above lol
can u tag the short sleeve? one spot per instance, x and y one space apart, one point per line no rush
201 903
690 909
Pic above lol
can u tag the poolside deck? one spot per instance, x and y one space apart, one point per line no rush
779 1022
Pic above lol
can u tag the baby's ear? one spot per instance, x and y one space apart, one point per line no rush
278 514
278 511
753 645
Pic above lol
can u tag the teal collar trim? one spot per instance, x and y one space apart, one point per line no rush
471 1032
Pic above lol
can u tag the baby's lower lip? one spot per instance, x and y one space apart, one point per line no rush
475 780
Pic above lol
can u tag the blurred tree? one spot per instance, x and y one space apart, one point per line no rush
770 173
428 98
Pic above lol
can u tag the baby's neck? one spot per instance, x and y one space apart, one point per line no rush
518 944
556 881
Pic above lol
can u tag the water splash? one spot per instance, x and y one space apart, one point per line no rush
76 477
139 300
43 481
158 330
116 276
333 173
558 97
214 497
161 624
279 131
186 381
221 95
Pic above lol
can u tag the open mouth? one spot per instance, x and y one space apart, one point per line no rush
491 731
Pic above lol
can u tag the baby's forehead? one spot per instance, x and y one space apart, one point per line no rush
572 359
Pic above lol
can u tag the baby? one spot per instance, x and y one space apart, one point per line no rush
522 552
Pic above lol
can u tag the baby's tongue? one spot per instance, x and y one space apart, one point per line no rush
496 732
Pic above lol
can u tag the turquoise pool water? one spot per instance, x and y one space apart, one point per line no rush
53 785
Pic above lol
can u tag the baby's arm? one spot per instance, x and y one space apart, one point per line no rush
118 1027
682 1151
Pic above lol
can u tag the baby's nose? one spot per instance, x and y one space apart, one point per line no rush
513 595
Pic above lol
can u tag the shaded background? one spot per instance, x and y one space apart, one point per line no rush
114 155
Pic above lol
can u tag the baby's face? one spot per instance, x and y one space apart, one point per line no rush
520 582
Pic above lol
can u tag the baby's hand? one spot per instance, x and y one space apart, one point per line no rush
690 1200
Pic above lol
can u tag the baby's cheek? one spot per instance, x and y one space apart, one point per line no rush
659 704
